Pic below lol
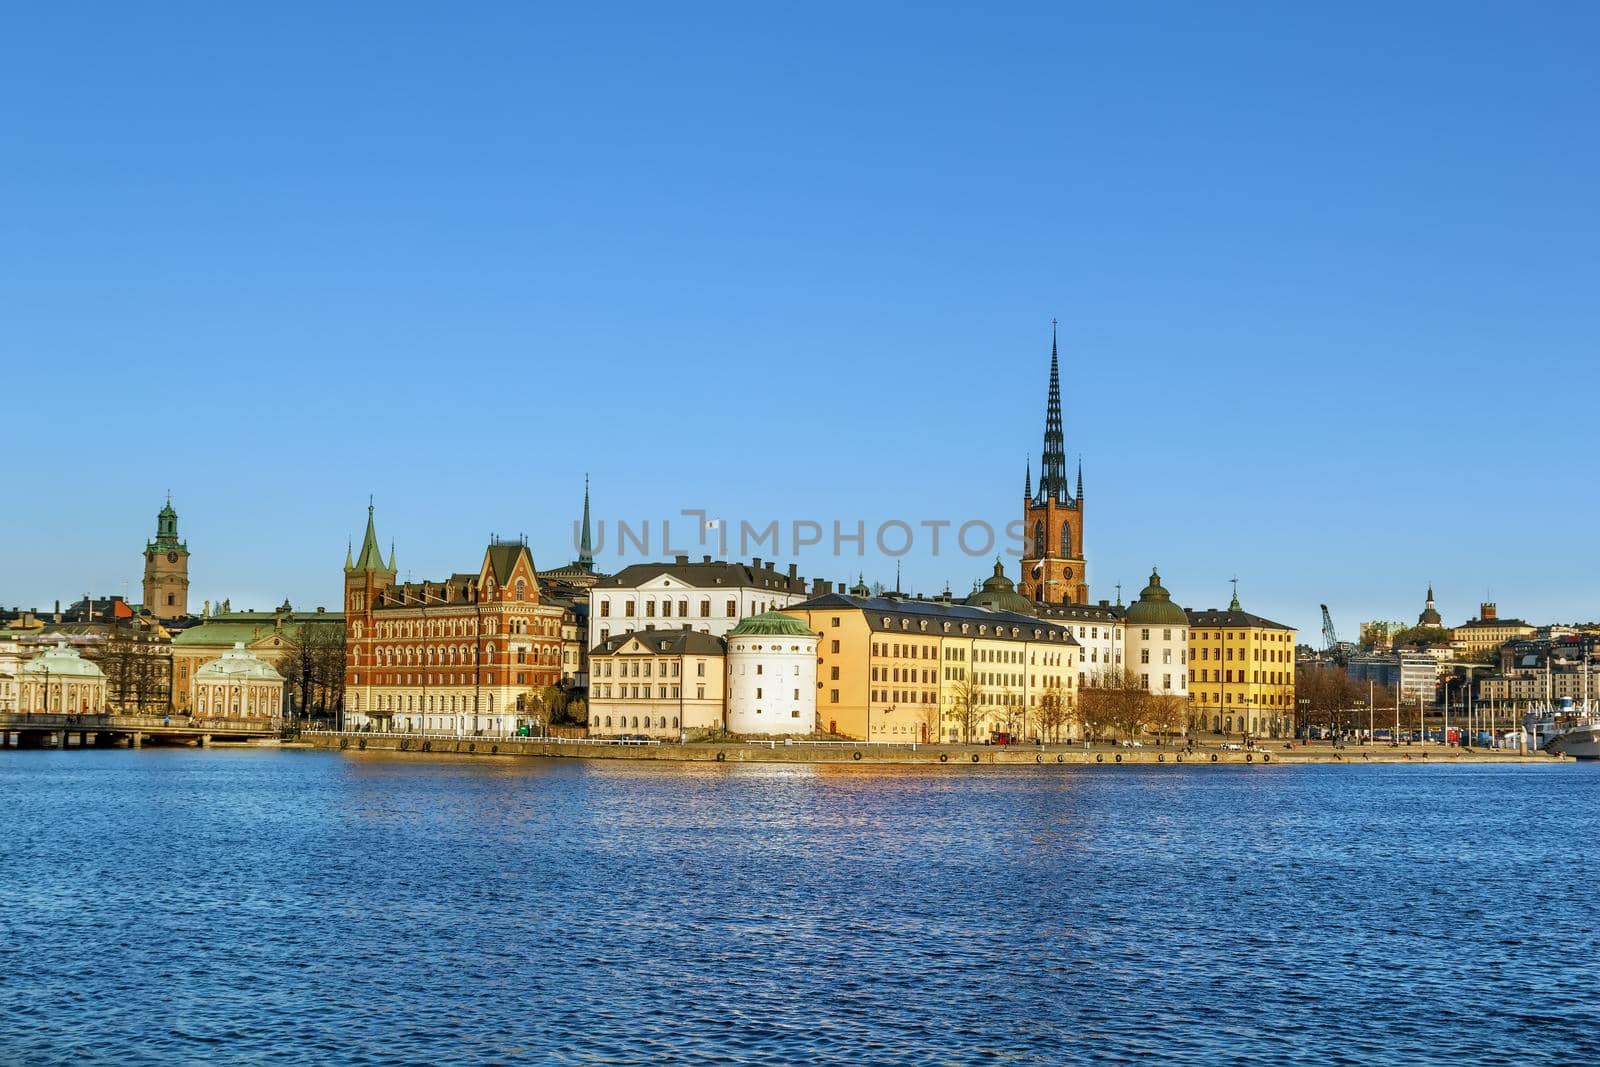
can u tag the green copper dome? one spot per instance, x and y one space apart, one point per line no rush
999 593
770 623
1155 607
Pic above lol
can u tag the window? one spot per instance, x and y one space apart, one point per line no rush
627 608
833 696
522 589
650 609
733 608
835 648
705 609
605 613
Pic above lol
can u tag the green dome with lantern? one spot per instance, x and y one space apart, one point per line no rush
1155 607
999 593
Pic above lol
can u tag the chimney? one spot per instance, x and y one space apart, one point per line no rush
680 559
757 564
770 565
794 571
705 559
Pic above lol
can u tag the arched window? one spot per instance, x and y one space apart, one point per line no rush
522 589
1038 538
1066 539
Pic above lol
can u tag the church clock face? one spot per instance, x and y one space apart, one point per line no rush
172 557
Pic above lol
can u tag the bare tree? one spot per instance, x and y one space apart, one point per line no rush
138 669
967 705
1115 700
313 668
1053 714
1168 715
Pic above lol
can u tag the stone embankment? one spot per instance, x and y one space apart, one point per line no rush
863 753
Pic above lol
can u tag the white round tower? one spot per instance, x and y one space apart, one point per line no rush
772 676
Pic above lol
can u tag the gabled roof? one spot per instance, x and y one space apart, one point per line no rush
1224 619
898 609
664 643
501 559
707 574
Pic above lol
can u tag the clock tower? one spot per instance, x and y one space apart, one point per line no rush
1052 553
166 569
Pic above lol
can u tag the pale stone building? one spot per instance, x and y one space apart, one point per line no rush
656 683
237 685
772 676
1157 642
61 682
709 597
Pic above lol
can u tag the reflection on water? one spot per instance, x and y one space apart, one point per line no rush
308 907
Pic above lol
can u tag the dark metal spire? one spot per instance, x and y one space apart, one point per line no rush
586 543
1080 477
1053 471
1027 481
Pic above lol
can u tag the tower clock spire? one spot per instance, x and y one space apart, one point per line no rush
1053 470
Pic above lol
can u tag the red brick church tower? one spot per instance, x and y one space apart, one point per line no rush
1053 569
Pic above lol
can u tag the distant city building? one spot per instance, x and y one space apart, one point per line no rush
61 682
1241 672
893 668
237 685
1414 675
772 676
1157 644
657 683
464 655
1544 671
1054 570
1487 632
709 597
166 569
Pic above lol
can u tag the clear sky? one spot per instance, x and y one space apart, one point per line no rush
1326 277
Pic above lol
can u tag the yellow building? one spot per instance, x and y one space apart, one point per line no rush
1486 633
656 683
1241 673
900 669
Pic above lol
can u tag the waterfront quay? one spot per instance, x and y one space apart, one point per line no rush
850 752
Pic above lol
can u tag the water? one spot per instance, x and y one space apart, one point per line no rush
297 907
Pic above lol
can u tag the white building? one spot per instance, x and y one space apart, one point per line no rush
1098 629
1156 645
61 682
709 597
772 676
237 685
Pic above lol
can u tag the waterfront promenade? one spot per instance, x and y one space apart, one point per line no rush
822 752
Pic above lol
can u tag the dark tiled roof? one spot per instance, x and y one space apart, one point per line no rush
503 559
877 608
1482 624
1082 612
665 643
717 574
1224 619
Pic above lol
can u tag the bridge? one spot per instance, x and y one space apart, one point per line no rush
25 730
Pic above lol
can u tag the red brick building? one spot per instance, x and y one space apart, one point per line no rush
465 656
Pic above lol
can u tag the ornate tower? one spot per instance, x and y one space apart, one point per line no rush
1053 570
166 569
365 577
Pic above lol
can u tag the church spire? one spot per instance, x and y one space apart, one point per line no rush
1053 470
586 543
371 557
1027 480
1234 604
1080 478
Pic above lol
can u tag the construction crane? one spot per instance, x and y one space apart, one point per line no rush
1330 638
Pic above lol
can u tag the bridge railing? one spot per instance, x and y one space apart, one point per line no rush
23 720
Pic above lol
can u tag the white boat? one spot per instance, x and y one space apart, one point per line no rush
1564 730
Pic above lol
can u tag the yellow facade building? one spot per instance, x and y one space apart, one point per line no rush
661 684
900 669
1486 633
1241 673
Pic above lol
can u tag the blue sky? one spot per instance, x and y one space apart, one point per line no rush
1326 278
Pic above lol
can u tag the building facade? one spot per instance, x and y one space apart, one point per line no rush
464 656
901 669
61 682
1157 645
662 684
708 597
1241 678
236 685
166 569
772 676
1053 567
1486 633
273 636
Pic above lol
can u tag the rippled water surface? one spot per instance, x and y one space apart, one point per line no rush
298 907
